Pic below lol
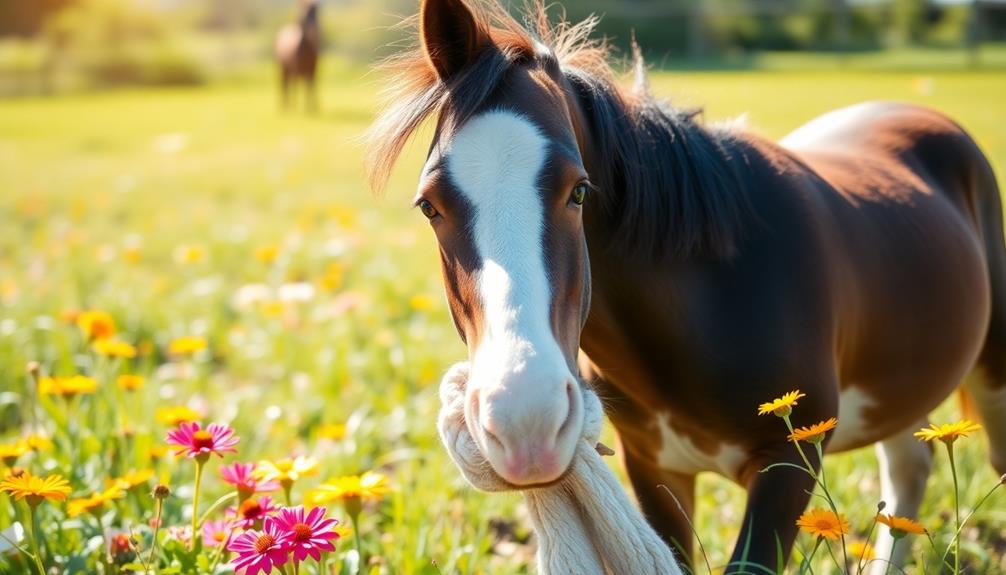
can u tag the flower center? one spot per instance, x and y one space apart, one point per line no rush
264 543
250 509
202 439
219 536
301 532
824 525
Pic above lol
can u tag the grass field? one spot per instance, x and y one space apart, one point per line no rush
164 208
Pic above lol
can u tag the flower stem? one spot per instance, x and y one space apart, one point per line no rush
356 539
36 551
890 558
157 527
957 508
195 504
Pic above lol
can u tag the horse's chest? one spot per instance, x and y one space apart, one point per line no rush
683 452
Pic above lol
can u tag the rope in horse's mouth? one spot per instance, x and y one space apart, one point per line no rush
585 522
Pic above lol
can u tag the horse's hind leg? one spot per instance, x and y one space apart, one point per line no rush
989 400
905 463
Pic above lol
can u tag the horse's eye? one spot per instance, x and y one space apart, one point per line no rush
579 193
428 210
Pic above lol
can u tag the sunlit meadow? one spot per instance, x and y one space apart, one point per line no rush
251 280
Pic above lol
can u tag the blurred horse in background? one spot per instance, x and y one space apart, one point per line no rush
297 49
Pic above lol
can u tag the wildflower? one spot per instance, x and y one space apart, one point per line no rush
331 280
259 550
422 302
67 387
94 502
189 254
120 548
815 433
823 523
132 479
901 526
161 492
187 345
114 348
783 406
181 534
130 382
34 489
252 511
286 470
10 452
332 431
197 443
307 534
37 442
370 485
267 253
947 432
862 550
176 415
216 533
156 452
96 324
242 477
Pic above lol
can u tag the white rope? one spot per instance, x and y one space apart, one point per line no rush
586 524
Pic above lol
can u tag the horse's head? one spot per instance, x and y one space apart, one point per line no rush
503 187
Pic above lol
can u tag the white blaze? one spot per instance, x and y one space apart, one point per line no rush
495 161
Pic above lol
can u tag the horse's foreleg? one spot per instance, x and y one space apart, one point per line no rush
284 86
904 467
660 493
776 499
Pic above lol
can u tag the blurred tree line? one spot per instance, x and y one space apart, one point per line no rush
102 42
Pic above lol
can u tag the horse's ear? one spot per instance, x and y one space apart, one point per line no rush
451 35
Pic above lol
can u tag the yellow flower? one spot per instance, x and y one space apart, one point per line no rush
815 433
35 489
132 479
333 431
332 279
267 253
156 452
132 253
370 485
186 345
781 407
67 387
901 526
187 254
862 550
37 442
10 452
422 302
823 523
114 348
174 415
94 502
96 324
129 382
948 432
285 470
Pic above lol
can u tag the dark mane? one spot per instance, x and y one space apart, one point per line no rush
669 184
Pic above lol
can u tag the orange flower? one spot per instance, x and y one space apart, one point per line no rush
815 433
901 526
96 324
35 489
94 502
823 523
948 432
132 479
781 407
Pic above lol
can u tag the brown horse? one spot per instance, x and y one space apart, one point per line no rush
860 260
297 49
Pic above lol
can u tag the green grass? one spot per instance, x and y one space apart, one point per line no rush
83 176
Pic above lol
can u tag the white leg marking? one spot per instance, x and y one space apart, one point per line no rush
679 454
905 463
852 404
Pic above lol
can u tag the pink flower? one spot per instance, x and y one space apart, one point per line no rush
217 533
240 476
306 535
259 550
200 443
252 511
181 534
